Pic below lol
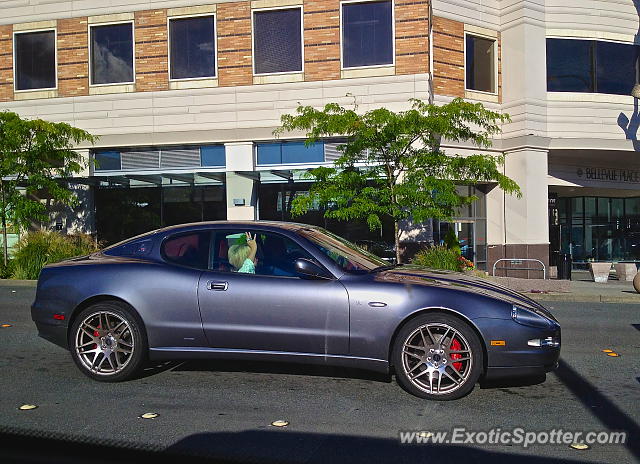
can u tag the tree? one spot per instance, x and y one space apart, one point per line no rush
36 156
391 164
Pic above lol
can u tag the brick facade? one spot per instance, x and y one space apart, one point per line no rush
322 40
321 23
152 64
6 63
448 57
234 44
73 57
412 36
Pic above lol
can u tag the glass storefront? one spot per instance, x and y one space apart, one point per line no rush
470 226
596 228
126 212
275 205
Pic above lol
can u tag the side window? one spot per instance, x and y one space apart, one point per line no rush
275 254
189 249
135 248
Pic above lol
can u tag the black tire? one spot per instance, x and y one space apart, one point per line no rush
410 362
116 341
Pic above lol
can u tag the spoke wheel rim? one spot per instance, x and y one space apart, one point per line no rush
437 358
104 343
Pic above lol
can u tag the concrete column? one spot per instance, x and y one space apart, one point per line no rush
524 67
241 190
519 227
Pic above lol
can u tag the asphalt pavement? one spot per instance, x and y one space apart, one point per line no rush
224 410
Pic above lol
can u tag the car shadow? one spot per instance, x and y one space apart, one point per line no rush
271 367
264 446
281 368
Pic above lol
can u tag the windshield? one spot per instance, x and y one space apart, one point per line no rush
345 254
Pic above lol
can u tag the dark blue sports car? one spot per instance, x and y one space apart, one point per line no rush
289 292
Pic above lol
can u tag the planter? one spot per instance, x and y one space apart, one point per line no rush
600 272
636 282
626 271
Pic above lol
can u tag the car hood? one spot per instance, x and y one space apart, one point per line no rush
416 275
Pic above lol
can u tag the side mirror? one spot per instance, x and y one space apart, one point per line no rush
308 268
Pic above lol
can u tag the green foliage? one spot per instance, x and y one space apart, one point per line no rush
37 249
438 257
441 257
6 271
451 241
36 157
391 163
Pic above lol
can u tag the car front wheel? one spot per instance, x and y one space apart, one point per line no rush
107 342
437 356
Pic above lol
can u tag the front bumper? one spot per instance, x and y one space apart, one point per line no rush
516 358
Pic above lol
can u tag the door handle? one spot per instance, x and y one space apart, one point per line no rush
218 286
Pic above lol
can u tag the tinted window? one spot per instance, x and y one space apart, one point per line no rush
107 160
134 248
480 64
213 155
35 60
112 54
193 53
277 43
367 37
290 152
188 249
569 65
275 254
616 67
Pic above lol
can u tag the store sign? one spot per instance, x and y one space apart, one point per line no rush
609 174
592 176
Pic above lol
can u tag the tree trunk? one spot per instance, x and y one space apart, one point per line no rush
396 235
5 245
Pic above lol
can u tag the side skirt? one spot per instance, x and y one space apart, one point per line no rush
186 353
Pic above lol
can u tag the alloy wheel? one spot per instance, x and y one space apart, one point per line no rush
104 343
437 358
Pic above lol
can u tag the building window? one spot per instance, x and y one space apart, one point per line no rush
290 153
35 55
591 66
277 41
112 54
212 155
569 66
480 64
108 161
367 34
193 49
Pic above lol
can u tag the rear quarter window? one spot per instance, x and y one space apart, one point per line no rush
135 248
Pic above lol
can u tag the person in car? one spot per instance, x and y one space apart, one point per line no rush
242 256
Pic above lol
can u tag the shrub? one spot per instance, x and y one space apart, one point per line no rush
438 257
37 249
441 257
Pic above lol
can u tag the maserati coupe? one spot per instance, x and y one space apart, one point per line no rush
275 291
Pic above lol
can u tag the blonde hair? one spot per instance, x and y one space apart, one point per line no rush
238 254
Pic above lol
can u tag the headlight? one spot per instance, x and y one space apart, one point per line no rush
529 318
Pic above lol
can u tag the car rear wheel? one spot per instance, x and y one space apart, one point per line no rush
107 342
437 356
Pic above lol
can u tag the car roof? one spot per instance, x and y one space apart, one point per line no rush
254 223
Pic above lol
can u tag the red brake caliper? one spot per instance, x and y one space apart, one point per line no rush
96 334
455 346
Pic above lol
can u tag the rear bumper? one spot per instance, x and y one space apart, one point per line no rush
56 334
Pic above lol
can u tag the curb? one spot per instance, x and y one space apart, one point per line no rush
17 283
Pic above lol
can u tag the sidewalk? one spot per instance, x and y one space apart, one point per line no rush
583 289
